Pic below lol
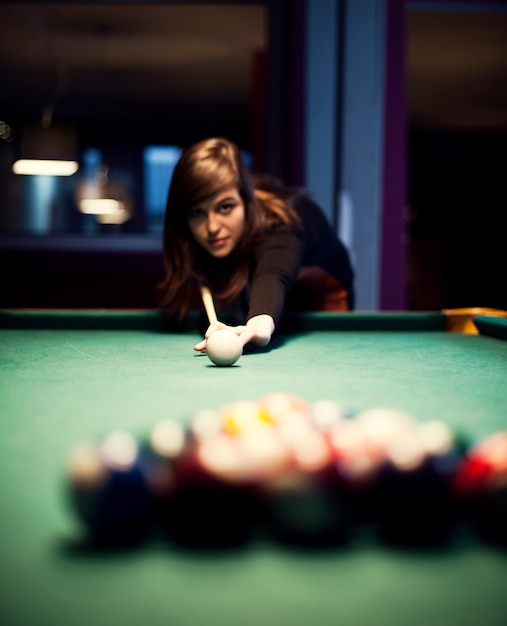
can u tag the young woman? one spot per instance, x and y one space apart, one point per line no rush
259 247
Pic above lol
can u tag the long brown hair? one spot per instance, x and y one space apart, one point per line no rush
203 170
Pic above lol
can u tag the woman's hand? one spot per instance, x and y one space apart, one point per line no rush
258 330
201 346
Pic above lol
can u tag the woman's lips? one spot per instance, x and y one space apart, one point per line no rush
217 243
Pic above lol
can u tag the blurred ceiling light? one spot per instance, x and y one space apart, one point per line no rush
44 167
108 200
48 151
120 217
100 206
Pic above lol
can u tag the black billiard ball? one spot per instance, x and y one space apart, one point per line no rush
108 491
214 502
306 504
304 509
415 503
233 451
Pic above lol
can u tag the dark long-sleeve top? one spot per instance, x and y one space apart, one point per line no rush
282 253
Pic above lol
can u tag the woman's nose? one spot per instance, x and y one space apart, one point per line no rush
213 223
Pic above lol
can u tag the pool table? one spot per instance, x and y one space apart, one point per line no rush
68 375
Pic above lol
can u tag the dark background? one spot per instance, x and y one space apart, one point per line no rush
164 73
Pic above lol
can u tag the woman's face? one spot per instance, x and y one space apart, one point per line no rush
217 223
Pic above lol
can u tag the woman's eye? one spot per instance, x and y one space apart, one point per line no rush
195 213
226 208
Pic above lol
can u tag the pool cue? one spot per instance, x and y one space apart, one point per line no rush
207 300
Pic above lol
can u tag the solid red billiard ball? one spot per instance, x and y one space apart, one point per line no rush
481 484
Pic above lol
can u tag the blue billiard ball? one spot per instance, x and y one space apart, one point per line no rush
107 489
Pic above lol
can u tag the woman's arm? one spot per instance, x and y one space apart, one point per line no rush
275 268
277 263
257 330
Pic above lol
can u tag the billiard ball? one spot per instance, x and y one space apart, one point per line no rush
159 457
214 502
481 485
415 502
204 424
236 417
108 491
277 406
224 347
356 466
304 504
325 414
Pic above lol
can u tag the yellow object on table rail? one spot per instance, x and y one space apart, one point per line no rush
462 320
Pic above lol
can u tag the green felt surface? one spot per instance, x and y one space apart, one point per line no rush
58 386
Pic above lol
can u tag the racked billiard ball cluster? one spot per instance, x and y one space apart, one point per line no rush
302 473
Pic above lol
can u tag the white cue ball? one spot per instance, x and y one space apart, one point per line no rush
224 347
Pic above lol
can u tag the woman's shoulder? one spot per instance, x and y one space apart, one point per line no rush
309 212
